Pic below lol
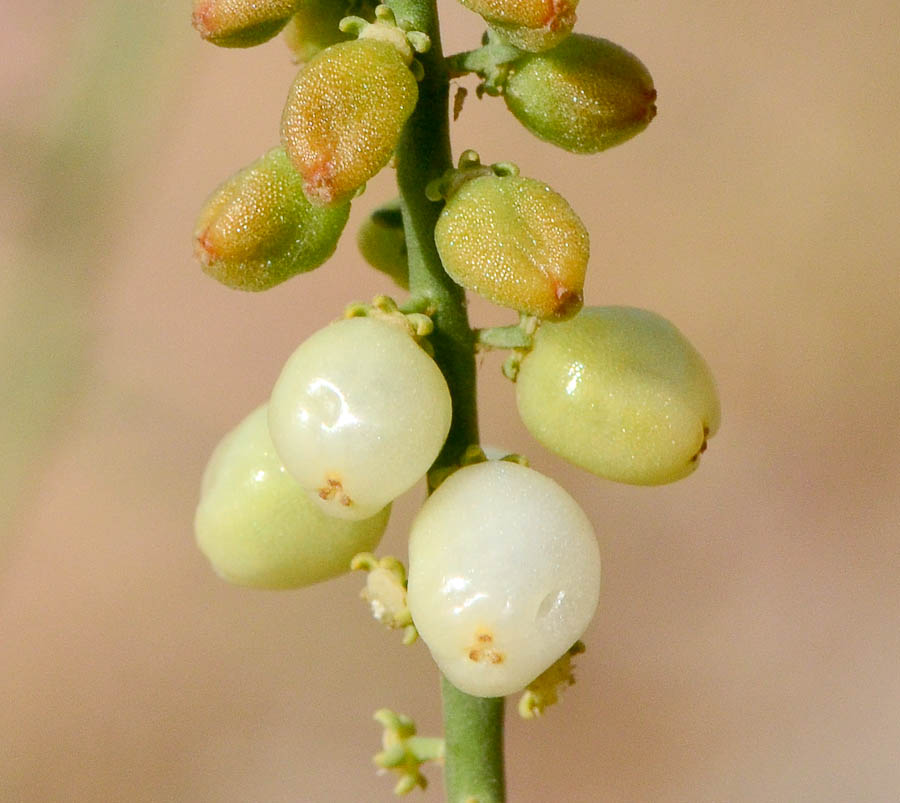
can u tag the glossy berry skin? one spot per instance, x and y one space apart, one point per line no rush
620 392
258 229
585 95
504 576
241 23
516 242
344 115
259 528
358 415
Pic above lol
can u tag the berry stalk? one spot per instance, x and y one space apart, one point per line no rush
473 726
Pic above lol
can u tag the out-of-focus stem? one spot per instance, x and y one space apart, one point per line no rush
72 173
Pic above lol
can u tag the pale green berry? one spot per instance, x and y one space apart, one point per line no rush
359 414
584 95
259 528
620 392
504 576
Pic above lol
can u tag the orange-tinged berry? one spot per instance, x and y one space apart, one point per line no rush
530 13
258 229
344 116
241 23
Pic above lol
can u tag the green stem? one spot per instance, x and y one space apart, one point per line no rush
473 734
473 726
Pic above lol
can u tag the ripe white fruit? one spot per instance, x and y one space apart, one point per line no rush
358 415
504 576
259 528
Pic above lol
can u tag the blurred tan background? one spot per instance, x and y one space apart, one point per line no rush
748 639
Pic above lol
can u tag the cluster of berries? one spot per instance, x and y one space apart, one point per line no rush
504 569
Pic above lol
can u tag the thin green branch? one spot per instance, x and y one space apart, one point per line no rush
473 726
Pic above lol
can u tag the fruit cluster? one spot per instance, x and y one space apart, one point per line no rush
504 568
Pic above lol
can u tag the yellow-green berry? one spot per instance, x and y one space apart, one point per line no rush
259 528
516 242
620 392
585 95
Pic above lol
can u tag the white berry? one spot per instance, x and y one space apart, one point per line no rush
358 415
504 576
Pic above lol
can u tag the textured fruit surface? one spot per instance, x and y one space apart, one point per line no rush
504 576
259 528
516 242
358 415
534 40
585 95
241 23
620 392
258 229
529 13
344 115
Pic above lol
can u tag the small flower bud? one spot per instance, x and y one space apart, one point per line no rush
382 242
258 229
584 95
516 242
241 23
531 25
344 116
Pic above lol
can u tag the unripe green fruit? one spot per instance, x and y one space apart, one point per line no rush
620 392
258 229
585 95
516 242
344 115
531 25
241 23
315 25
259 528
382 242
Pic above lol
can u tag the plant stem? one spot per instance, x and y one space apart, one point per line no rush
473 726
473 733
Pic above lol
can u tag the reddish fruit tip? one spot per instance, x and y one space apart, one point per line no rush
202 20
560 15
568 302
204 251
318 182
